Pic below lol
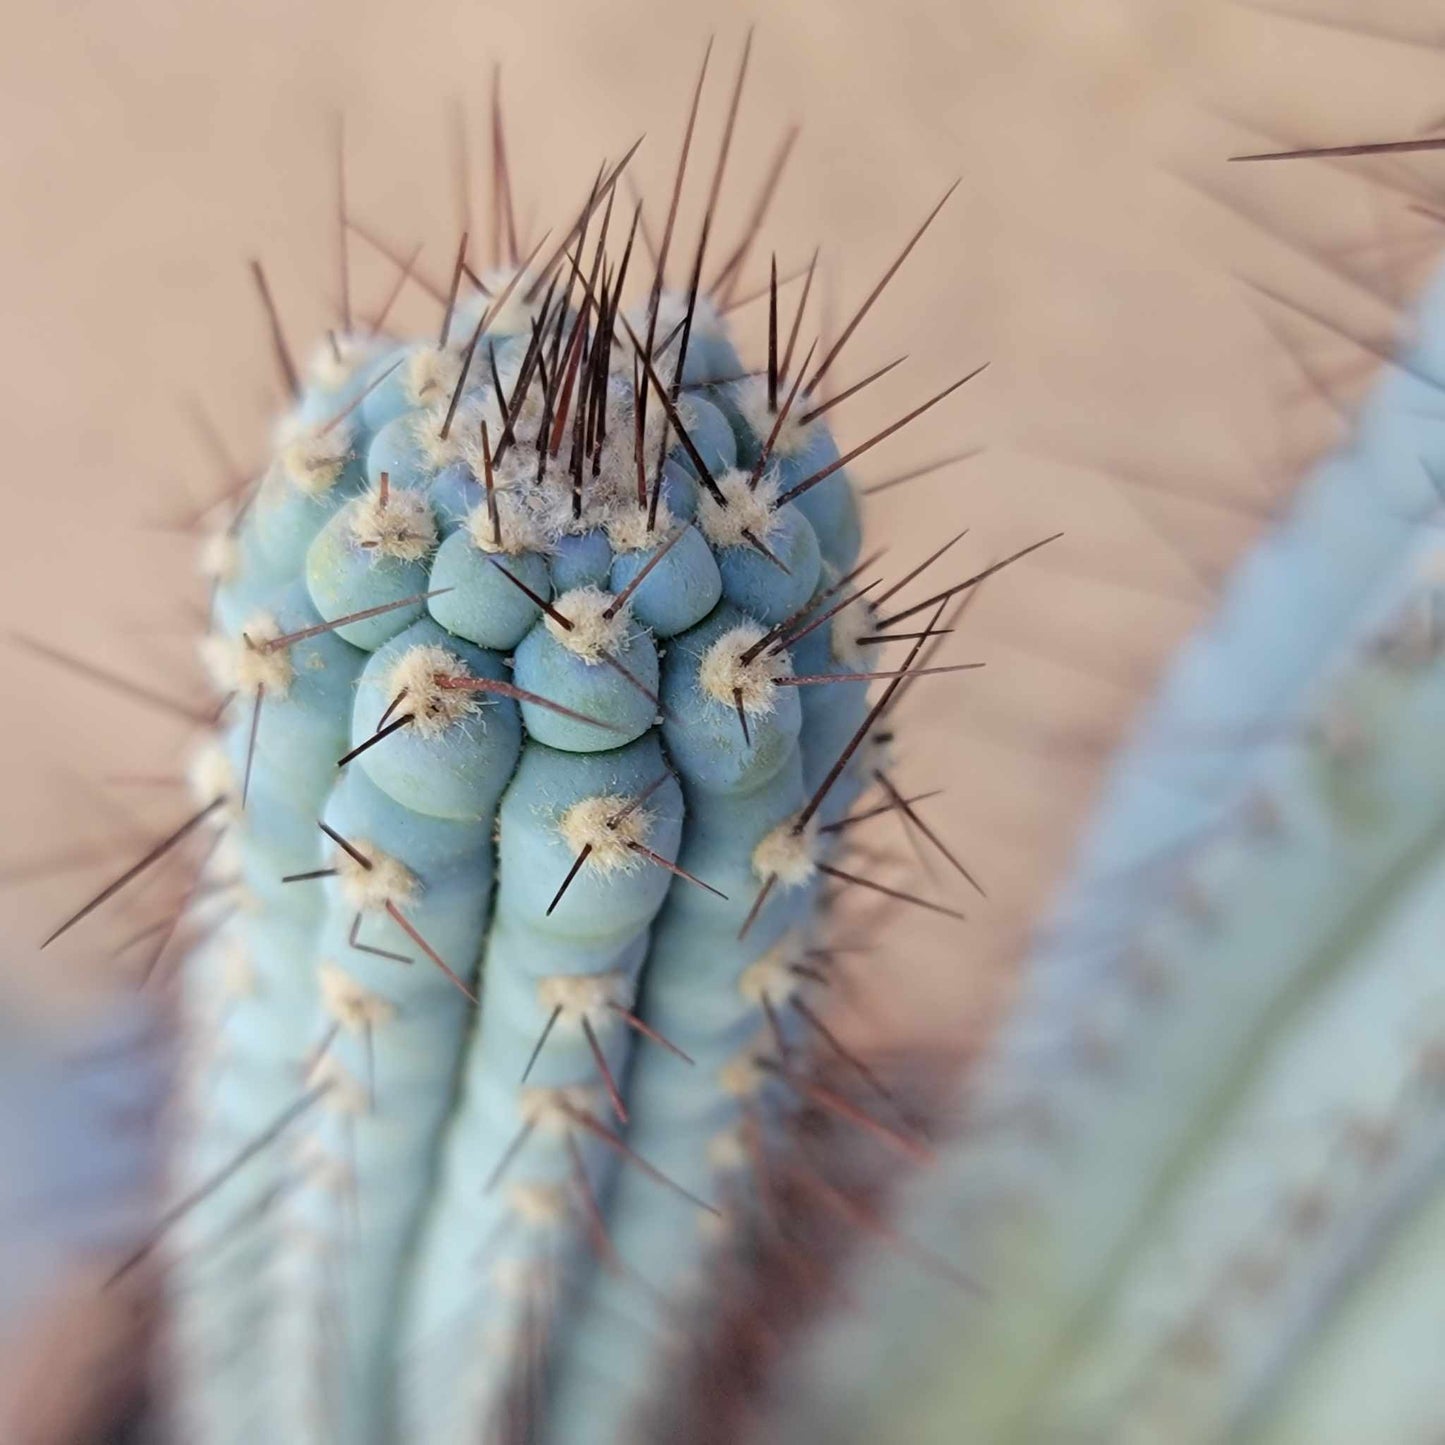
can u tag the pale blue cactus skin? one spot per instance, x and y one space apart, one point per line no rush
1202 1181
385 1277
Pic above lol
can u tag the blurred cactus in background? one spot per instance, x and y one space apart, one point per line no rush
1200 1188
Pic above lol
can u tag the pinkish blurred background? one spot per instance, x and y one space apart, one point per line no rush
1134 401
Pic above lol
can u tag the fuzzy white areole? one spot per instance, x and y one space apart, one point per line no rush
605 827
725 677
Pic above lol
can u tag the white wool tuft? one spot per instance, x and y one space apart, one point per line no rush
596 823
747 510
426 425
627 528
245 664
724 676
592 634
402 527
741 1076
336 360
579 996
854 622
220 556
355 1008
433 708
369 890
539 1205
312 459
772 976
515 315
786 855
210 774
344 1092
553 1110
430 375
521 528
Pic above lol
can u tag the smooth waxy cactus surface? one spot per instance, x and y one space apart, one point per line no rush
548 661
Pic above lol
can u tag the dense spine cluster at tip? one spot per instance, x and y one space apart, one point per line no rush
546 655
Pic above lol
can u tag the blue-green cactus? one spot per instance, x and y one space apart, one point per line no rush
1200 1183
547 669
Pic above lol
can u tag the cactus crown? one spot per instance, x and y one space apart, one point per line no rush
547 654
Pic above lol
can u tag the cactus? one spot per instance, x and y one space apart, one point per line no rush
1199 1186
546 662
